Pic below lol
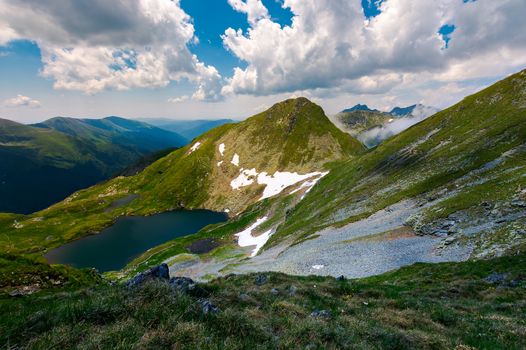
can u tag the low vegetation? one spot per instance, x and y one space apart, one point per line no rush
470 305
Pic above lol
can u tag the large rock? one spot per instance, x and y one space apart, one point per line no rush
157 272
260 280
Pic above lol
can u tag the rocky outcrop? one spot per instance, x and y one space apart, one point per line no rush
157 272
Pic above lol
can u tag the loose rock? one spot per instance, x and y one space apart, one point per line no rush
207 307
188 286
25 290
292 290
260 280
321 314
496 278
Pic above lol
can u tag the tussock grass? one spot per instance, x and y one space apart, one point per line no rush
424 306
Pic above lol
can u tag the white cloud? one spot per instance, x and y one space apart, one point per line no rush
22 101
98 45
254 9
331 48
179 99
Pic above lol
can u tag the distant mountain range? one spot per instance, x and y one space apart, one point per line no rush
45 162
372 126
189 129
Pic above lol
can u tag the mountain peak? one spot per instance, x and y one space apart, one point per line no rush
290 113
296 103
402 111
359 107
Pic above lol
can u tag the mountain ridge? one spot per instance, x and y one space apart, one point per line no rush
43 164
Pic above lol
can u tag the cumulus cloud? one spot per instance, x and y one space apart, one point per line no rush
22 101
94 45
254 9
331 45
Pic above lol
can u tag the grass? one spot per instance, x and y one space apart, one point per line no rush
424 306
25 271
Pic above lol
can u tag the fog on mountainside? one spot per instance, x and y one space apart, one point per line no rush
385 125
374 136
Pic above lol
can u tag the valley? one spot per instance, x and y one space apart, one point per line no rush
304 198
263 174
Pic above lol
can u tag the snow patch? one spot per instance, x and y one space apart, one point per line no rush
309 184
318 267
245 238
245 178
222 149
219 163
195 147
281 180
235 160
276 183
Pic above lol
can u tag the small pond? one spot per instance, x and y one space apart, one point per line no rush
120 243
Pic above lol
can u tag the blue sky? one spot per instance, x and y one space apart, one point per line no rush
211 18
55 62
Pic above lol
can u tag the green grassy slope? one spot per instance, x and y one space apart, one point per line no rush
471 305
294 136
468 154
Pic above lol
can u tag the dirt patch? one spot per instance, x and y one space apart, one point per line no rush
203 246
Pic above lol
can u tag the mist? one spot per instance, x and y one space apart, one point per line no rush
374 136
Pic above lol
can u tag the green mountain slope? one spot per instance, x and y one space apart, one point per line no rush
43 164
466 162
291 139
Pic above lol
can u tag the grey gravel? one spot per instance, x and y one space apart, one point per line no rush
330 254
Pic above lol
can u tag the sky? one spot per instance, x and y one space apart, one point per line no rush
208 59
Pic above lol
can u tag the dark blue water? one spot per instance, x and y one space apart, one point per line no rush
120 243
